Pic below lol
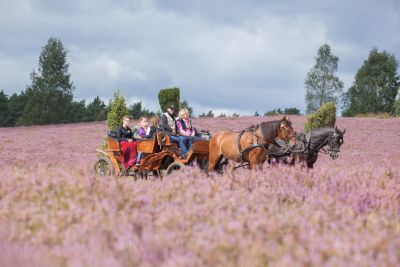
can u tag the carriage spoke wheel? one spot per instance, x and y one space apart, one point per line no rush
104 167
175 166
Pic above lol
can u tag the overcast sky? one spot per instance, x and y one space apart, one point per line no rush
227 56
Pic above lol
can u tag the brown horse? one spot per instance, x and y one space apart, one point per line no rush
250 145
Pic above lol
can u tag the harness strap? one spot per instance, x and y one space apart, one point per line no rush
281 144
324 143
249 148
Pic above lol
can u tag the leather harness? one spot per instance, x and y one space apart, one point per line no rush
252 130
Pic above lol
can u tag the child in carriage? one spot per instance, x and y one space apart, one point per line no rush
143 125
141 133
147 131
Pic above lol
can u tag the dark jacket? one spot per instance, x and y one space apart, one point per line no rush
124 134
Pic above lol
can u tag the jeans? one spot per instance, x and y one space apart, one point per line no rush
189 141
180 140
139 156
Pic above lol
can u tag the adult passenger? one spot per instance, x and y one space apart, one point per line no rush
168 125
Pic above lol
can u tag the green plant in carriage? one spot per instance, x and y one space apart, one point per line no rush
169 96
325 116
114 117
117 110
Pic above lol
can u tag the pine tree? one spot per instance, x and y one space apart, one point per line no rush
96 110
117 111
50 93
77 112
16 106
136 110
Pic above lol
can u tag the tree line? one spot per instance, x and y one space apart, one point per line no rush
374 90
49 97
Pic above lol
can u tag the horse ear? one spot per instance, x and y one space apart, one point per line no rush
344 131
285 118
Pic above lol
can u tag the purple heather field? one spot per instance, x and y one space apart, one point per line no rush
55 212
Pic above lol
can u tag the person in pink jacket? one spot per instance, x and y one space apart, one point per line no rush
185 128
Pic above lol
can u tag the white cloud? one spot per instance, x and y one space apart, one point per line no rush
228 56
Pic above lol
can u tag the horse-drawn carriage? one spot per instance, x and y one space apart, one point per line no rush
250 147
159 156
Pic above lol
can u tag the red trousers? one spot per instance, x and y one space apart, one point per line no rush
129 153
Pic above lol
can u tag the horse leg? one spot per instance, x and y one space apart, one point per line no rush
213 159
311 160
257 157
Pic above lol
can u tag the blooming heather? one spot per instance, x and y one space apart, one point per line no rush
55 212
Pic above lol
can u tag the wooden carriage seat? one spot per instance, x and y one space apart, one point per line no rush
112 144
148 145
113 148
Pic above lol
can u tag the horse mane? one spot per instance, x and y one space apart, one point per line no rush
270 129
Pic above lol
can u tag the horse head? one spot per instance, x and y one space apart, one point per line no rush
286 131
335 142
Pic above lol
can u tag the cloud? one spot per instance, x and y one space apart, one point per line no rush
224 55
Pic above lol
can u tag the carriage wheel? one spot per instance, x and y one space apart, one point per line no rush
175 166
104 167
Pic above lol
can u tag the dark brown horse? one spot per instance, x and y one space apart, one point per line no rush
250 145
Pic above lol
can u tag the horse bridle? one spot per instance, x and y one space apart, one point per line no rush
286 132
332 139
329 142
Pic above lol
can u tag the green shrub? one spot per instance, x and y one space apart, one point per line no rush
169 96
117 111
325 116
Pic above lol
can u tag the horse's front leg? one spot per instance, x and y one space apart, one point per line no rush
311 159
257 157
